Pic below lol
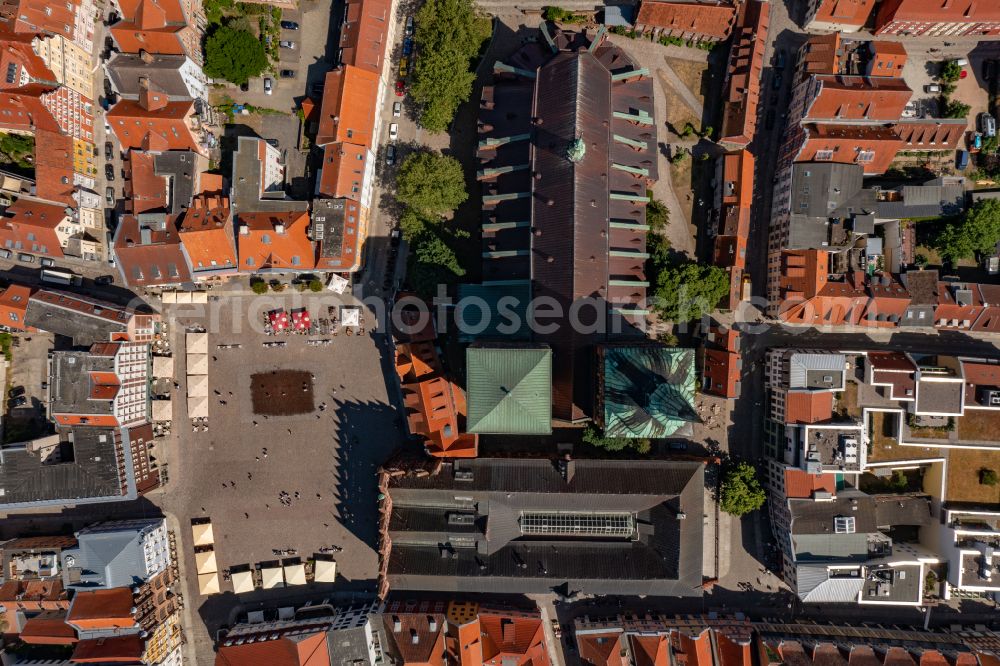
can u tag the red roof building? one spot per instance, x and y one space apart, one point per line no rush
159 27
14 305
708 21
153 123
206 235
48 628
33 595
737 171
275 241
722 363
113 649
54 180
895 372
350 98
746 63
145 191
366 34
417 632
801 484
840 98
102 609
302 649
838 15
873 147
342 173
33 17
888 300
148 250
960 304
479 636
25 66
30 225
932 134
803 273
803 406
951 18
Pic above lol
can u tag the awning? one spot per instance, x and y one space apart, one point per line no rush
197 407
197 364
162 411
197 386
199 297
295 574
205 562
278 319
203 534
208 583
163 366
197 343
300 319
325 571
183 296
272 577
337 284
242 582
350 316
169 297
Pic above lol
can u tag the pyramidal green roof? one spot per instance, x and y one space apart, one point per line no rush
648 390
509 389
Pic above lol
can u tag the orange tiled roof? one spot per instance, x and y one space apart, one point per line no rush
364 37
54 167
16 52
48 628
21 109
30 226
102 609
13 305
935 11
874 148
801 484
309 650
684 17
513 636
602 649
808 406
165 128
150 259
746 62
931 134
428 646
144 190
207 233
859 98
343 170
844 12
722 372
32 17
803 274
649 650
114 649
347 112
131 39
263 246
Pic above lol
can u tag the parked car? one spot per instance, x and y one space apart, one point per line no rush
287 73
109 151
776 81
407 46
289 25
267 86
109 171
769 119
397 109
109 196
285 44
400 88
780 59
317 88
16 391
104 280
6 254
932 88
272 142
961 62
988 69
390 154
26 258
46 262
408 31
404 64
987 124
245 87
961 160
19 401
393 131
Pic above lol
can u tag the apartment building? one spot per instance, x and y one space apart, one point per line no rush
959 18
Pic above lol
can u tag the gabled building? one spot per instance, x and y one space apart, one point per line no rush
105 386
176 76
277 242
658 640
148 251
722 363
154 123
837 15
117 555
158 27
700 21
71 65
746 63
935 19
735 171
207 238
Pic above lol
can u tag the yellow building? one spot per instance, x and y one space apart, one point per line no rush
73 67
84 162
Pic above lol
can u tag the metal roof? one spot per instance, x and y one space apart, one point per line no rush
509 389
648 390
480 315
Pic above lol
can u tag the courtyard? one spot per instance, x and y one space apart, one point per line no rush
272 472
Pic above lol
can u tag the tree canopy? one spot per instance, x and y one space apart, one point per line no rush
449 35
595 437
234 55
955 109
977 232
431 183
741 492
950 71
688 291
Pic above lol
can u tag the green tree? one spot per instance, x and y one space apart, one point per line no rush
234 55
214 9
657 213
988 477
950 71
431 183
449 35
315 286
258 286
978 232
741 492
689 291
955 109
596 438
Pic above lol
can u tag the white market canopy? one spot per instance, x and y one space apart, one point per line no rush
205 562
197 407
295 574
203 534
162 411
197 364
197 343
350 316
169 297
325 572
197 386
163 366
199 297
208 583
183 296
337 284
242 582
271 577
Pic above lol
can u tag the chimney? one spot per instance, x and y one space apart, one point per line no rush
432 624
244 230
397 626
279 228
414 638
146 57
144 82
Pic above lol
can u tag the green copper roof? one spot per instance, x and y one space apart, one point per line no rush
481 317
648 390
509 389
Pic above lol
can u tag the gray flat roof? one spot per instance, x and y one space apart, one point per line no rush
70 384
162 71
245 183
900 583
